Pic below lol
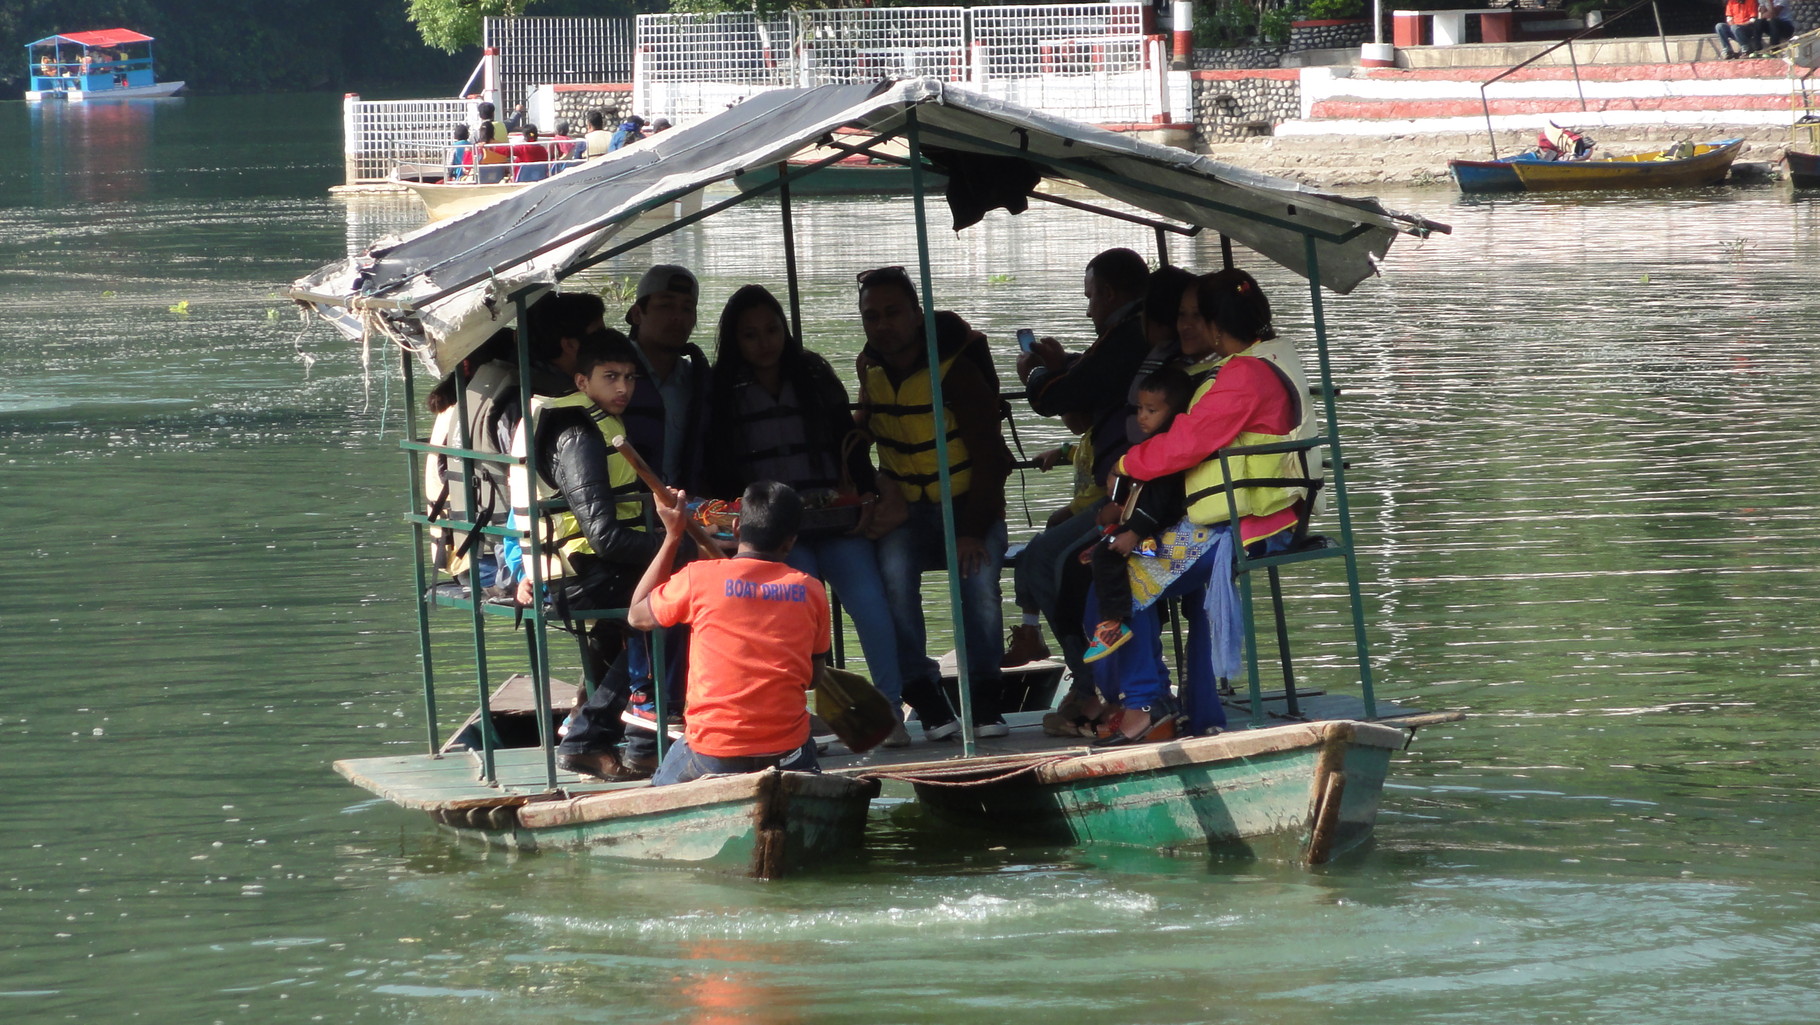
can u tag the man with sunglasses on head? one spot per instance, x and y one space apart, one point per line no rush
897 408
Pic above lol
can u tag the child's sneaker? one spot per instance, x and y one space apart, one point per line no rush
1108 637
641 711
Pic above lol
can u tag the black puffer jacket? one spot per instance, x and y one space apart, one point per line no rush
572 458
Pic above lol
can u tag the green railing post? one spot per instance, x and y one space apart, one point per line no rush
950 547
533 552
489 742
417 545
1339 484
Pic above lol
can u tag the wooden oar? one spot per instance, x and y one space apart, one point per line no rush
703 540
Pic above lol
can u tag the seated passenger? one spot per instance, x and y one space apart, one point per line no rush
531 158
1148 510
631 130
598 142
779 413
897 407
1741 29
1252 392
460 156
491 162
757 631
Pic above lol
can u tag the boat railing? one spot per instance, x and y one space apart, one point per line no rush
95 76
1568 44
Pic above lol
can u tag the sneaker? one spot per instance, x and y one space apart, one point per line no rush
1108 637
642 712
1025 646
996 727
942 731
899 737
602 765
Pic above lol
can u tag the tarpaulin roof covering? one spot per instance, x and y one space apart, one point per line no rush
99 37
445 285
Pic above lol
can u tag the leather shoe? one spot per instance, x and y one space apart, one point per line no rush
602 765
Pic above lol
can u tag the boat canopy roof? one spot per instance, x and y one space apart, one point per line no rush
444 288
99 37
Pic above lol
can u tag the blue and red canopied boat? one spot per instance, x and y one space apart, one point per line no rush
106 64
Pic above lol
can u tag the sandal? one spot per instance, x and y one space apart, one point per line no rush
1108 637
1070 720
1162 726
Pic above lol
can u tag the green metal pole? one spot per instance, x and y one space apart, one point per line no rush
1339 484
417 546
950 548
488 741
783 198
539 640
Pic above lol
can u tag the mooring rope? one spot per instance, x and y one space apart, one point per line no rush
935 780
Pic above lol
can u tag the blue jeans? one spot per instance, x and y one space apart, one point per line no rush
1137 669
1748 37
903 556
683 764
850 564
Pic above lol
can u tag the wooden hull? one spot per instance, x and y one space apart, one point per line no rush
1304 792
759 824
1803 169
1479 176
137 92
1709 165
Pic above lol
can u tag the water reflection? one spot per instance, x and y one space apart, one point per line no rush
93 152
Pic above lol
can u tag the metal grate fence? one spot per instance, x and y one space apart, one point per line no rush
688 65
1087 61
380 134
866 45
558 51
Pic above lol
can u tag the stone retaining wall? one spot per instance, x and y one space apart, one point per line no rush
572 105
1327 35
1234 104
1235 57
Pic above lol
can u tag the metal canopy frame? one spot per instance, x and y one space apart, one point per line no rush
911 128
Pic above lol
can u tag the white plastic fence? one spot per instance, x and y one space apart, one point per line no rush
380 134
1092 62
688 65
867 45
558 51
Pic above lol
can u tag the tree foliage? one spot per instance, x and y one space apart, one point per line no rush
450 25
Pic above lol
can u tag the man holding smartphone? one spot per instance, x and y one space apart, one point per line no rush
1095 385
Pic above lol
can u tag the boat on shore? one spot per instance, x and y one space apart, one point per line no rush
1687 164
1803 169
1305 766
98 65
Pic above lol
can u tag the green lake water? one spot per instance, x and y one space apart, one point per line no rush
1580 432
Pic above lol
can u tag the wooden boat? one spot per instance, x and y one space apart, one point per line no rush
446 288
1803 169
1708 164
1305 792
98 65
759 824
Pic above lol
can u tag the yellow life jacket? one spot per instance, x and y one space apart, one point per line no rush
1205 485
902 419
559 535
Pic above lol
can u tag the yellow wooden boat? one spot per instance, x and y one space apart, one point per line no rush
1707 164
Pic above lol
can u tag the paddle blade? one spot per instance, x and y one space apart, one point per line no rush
859 715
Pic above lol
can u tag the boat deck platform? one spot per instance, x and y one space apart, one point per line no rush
452 781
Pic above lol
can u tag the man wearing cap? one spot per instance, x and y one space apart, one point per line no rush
668 418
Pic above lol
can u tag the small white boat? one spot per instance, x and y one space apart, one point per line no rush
106 64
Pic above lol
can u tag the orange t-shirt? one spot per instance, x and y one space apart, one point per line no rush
754 628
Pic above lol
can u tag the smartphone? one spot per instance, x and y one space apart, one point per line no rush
1025 338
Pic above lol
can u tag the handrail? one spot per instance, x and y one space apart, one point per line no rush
1485 102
